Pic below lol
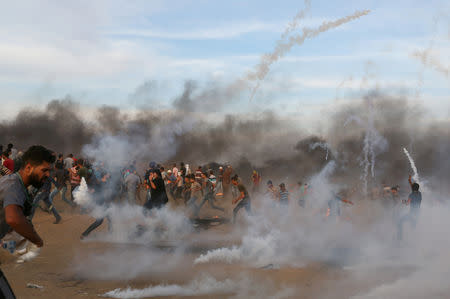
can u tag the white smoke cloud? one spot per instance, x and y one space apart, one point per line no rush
160 143
203 286
425 251
136 242
81 195
243 287
275 236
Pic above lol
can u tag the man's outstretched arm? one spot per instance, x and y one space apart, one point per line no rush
19 223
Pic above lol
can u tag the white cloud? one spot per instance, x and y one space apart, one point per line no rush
224 32
228 30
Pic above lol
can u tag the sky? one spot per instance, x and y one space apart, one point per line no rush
135 54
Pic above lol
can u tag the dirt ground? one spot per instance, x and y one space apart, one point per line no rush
55 269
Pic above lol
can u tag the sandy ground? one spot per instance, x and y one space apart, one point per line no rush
57 270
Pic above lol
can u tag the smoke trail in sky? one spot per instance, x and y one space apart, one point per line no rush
295 21
263 68
322 145
430 60
413 165
373 144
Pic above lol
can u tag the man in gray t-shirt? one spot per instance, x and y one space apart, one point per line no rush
68 162
12 192
15 203
132 182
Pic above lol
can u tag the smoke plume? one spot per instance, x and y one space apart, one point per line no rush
263 68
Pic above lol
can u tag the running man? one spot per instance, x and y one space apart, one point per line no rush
242 200
16 203
210 187
44 195
103 197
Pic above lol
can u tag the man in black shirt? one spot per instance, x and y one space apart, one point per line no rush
158 191
414 201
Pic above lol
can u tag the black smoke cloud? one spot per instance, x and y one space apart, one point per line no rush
263 141
59 127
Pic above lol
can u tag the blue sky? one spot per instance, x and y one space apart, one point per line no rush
99 52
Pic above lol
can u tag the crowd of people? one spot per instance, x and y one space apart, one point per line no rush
39 175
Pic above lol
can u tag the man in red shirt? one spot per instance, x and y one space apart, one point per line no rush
7 162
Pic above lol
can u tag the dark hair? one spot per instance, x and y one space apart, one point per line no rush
269 182
235 178
60 156
394 188
70 155
10 146
36 155
162 168
415 187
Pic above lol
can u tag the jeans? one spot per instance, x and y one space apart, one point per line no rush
96 224
44 196
63 190
208 198
5 289
244 203
131 196
411 217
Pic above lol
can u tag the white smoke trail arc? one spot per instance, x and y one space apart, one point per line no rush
241 287
263 68
413 166
373 144
203 286
322 145
293 25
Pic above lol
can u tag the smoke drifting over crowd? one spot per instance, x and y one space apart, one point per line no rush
367 143
264 141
